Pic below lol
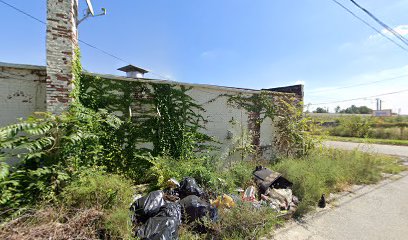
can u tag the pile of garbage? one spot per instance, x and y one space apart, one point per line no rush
275 190
159 214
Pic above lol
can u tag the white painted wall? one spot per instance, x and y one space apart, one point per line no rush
22 92
23 89
220 116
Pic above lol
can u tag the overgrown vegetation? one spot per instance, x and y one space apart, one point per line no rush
331 170
208 171
74 173
241 222
368 140
94 205
366 127
108 193
295 131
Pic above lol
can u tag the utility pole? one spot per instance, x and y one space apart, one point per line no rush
379 103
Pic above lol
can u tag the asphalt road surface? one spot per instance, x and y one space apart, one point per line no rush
371 212
376 148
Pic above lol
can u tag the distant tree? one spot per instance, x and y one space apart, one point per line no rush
353 109
337 109
320 110
365 110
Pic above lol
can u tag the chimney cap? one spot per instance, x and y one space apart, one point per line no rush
131 68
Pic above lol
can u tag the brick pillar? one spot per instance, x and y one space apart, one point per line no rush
62 39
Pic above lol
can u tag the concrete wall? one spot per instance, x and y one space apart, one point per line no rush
22 91
227 123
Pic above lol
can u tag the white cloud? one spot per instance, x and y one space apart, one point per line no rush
303 82
401 29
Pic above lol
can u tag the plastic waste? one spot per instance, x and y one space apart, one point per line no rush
295 199
273 203
284 196
249 194
159 228
188 187
322 201
171 210
223 201
147 206
194 208
286 193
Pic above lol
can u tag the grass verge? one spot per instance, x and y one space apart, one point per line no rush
332 170
368 140
95 204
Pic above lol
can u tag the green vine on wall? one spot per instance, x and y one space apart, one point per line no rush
158 113
294 130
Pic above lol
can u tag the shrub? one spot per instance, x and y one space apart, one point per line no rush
205 170
295 132
245 222
352 126
23 188
110 193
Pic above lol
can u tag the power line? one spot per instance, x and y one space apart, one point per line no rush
21 11
395 33
369 25
103 51
361 98
360 84
79 40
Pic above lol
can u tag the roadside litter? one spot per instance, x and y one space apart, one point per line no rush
159 214
322 202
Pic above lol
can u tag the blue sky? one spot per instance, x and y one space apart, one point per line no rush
240 43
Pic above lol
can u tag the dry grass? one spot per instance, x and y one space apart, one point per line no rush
52 223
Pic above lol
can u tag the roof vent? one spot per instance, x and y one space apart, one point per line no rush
133 71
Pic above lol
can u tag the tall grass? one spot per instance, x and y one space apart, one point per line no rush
99 201
331 170
94 205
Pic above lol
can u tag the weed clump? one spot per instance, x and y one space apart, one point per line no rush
331 170
244 221
109 193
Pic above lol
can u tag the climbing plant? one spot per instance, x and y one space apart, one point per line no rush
157 113
293 130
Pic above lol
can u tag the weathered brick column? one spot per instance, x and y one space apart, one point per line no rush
62 39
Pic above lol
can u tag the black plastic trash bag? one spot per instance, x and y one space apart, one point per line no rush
147 206
189 187
159 228
171 210
194 208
